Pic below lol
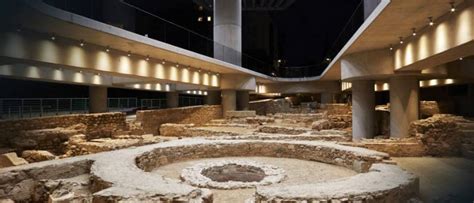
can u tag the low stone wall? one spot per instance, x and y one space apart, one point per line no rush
357 159
152 119
335 109
240 114
97 125
273 106
114 176
440 134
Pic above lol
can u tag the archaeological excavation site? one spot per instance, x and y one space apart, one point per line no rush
236 101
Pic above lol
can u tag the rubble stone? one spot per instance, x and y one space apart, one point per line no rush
322 124
281 130
440 134
240 114
37 155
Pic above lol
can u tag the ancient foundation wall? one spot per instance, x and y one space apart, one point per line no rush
152 119
97 125
272 106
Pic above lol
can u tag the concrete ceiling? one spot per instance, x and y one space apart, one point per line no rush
397 20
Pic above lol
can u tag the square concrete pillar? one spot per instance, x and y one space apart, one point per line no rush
404 104
172 99
243 98
363 110
97 99
229 102
213 98
327 98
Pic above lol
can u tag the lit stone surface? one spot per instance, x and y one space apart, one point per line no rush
200 175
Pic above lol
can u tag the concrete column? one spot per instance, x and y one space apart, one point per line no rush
213 97
228 100
228 30
172 99
363 110
404 104
243 98
327 98
97 99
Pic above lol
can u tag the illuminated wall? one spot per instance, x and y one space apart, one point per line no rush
40 50
452 30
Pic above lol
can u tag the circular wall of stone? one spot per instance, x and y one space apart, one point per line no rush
375 181
232 174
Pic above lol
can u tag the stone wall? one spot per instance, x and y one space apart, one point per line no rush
152 119
97 125
440 134
273 106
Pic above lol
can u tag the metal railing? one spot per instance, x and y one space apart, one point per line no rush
153 103
190 100
16 108
165 31
13 108
116 104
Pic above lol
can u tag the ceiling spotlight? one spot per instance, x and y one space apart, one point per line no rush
401 40
81 43
129 53
98 74
431 21
461 59
53 37
414 32
163 62
107 49
453 8
328 59
199 70
80 71
209 18
217 74
391 48
147 58
177 65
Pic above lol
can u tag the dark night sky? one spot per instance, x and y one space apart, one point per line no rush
306 30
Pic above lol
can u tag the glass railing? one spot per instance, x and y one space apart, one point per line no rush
165 31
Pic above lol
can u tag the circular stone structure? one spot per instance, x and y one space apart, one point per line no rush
232 174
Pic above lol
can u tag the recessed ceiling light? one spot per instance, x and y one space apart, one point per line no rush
431 23
453 8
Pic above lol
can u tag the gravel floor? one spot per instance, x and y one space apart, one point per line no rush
442 179
297 171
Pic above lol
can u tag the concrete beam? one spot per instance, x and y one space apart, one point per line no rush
59 75
238 82
40 50
300 87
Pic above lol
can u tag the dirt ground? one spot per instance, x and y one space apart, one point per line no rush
297 171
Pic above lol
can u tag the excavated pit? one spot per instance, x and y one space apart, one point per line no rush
234 172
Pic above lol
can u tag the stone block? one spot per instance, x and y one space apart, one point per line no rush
322 124
11 159
37 155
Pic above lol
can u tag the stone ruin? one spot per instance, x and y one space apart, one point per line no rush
324 135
